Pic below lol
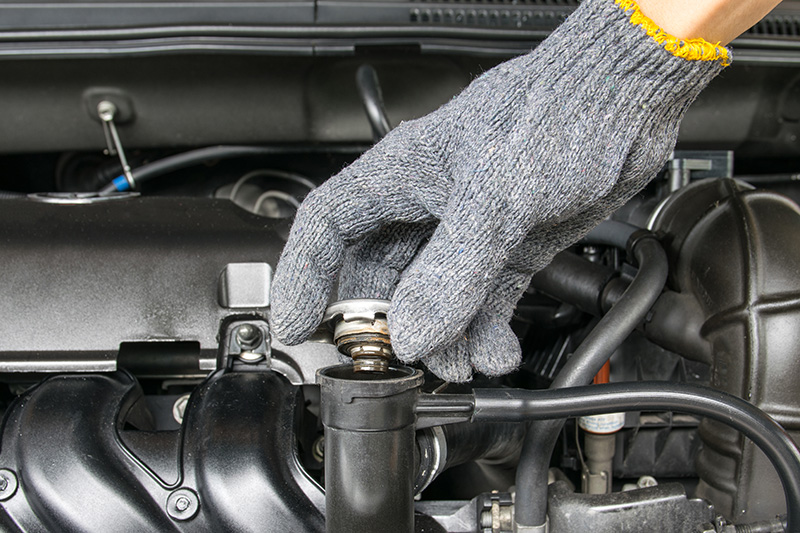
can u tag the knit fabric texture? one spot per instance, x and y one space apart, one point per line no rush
451 214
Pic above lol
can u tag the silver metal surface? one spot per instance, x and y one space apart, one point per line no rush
360 330
107 111
183 504
208 364
179 408
431 467
543 528
245 286
8 484
452 516
79 198
349 310
251 357
680 171
30 363
249 336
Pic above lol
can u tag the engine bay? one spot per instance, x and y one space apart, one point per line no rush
150 180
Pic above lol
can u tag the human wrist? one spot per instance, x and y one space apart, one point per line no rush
716 21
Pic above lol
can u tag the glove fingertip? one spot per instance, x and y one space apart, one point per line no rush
290 325
493 346
297 303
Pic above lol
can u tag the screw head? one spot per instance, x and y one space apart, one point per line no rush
106 110
183 504
8 484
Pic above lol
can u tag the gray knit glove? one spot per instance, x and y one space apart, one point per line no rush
451 214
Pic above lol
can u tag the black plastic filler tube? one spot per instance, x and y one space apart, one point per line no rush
369 448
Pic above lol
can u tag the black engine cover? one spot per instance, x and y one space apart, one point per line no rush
80 467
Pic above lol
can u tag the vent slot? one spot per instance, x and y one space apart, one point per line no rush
460 14
777 26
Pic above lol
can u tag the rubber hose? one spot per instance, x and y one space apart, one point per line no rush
580 369
471 442
611 233
513 405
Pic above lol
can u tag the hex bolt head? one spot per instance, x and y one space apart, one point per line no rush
248 336
183 504
8 484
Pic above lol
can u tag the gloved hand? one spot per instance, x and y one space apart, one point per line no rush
450 215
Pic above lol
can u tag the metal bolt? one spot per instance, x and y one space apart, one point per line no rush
179 408
248 336
318 449
106 110
183 504
646 481
8 484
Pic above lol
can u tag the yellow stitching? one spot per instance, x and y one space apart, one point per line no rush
691 49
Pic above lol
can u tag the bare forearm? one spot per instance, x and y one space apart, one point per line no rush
716 21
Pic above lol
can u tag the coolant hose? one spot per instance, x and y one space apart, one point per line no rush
588 359
611 233
513 405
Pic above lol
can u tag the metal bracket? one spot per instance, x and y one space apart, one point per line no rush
107 110
686 165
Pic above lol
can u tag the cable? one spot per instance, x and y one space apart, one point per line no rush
369 88
588 359
514 405
187 159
